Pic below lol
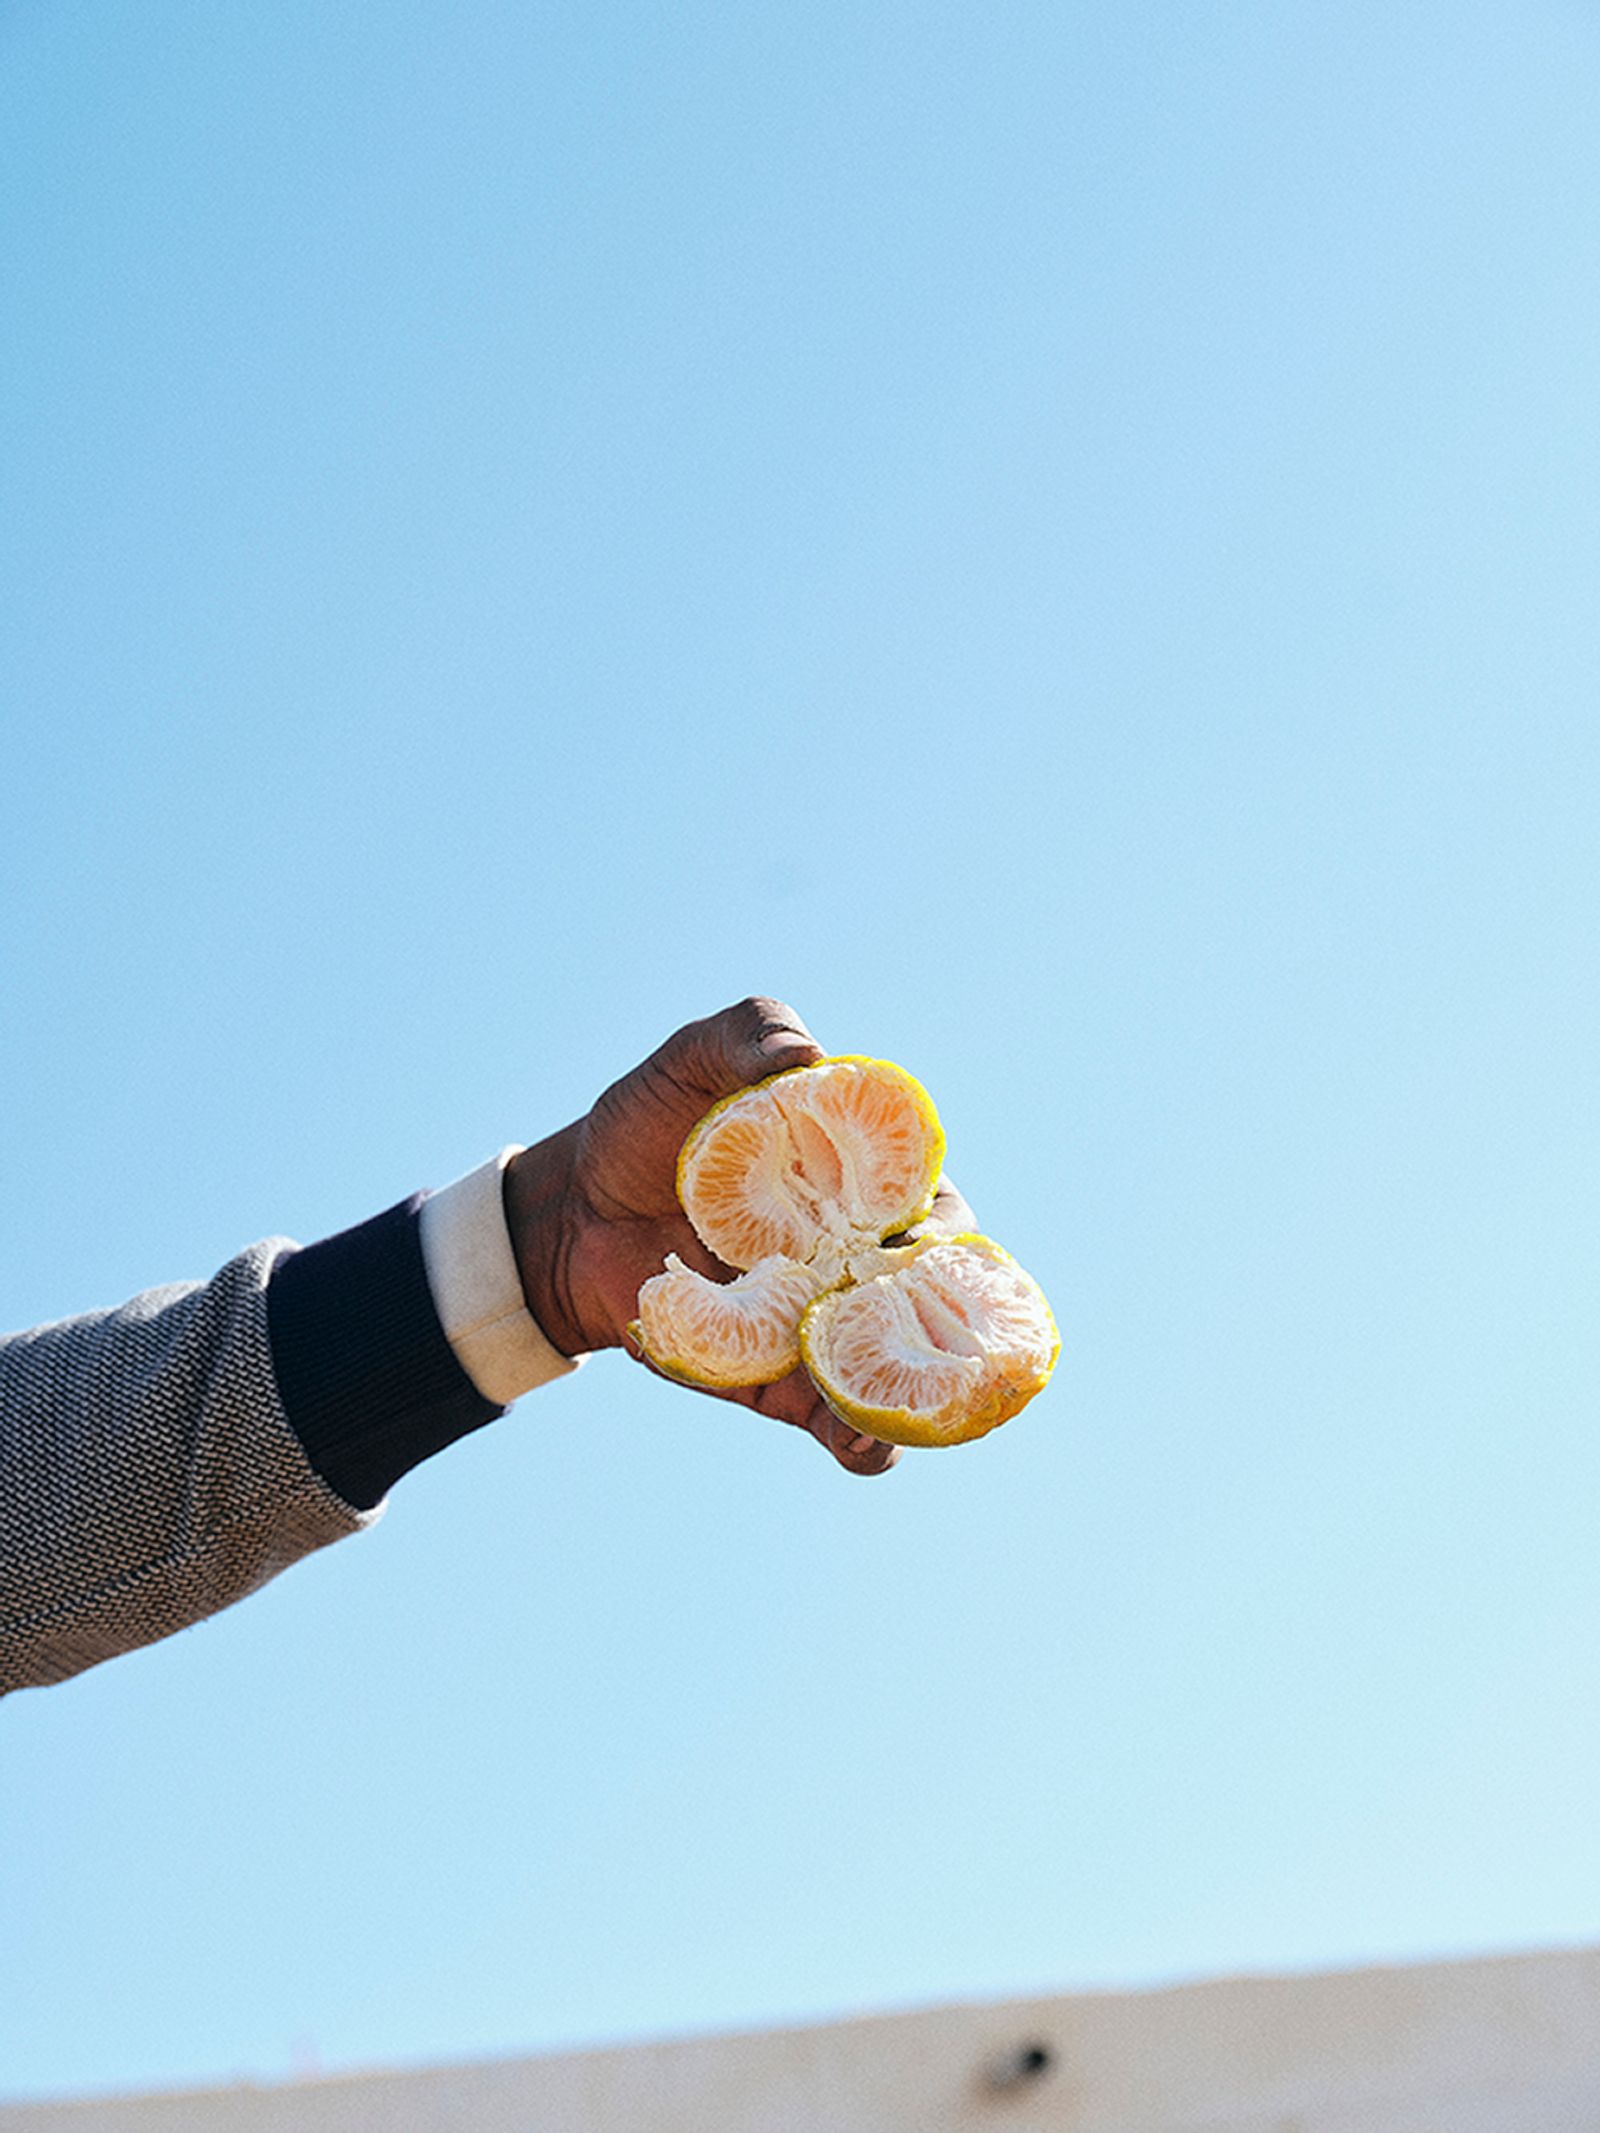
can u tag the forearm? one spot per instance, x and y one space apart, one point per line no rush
161 1460
148 1473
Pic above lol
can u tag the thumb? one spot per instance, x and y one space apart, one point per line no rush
725 1052
759 1037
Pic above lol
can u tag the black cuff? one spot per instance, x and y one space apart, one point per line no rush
368 1380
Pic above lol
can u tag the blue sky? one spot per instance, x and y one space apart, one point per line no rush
1060 539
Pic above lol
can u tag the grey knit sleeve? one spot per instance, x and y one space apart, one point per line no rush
149 1473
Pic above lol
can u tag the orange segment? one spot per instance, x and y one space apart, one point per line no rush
845 1147
740 1189
867 1139
740 1332
943 1349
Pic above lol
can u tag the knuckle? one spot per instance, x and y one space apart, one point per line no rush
758 1012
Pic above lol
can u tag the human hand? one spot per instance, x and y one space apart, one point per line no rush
593 1211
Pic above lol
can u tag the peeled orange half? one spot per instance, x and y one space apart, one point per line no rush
797 1182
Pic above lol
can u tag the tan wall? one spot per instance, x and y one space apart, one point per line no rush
1510 2045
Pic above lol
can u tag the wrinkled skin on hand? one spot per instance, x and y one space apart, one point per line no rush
594 1210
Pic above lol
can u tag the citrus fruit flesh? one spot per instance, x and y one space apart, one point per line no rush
938 1350
740 1332
796 1182
848 1150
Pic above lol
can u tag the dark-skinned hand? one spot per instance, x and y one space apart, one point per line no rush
593 1211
